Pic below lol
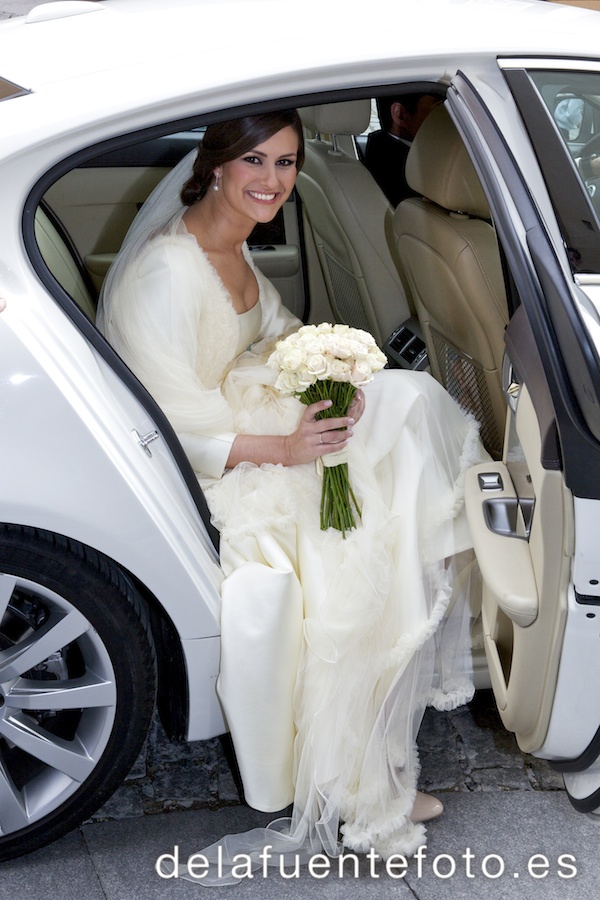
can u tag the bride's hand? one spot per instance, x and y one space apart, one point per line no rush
357 407
318 437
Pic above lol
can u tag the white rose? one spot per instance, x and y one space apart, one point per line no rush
306 331
305 378
312 345
377 359
340 347
316 364
363 337
361 374
287 383
292 360
338 370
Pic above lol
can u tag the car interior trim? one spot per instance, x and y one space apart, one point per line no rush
583 447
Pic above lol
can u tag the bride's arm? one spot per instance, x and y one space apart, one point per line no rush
155 309
313 438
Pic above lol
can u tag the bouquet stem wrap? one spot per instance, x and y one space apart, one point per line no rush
329 362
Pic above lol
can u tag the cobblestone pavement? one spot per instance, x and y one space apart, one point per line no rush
466 750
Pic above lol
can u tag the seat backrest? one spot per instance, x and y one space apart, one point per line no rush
61 263
351 222
450 255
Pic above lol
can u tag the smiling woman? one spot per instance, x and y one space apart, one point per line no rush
252 186
309 617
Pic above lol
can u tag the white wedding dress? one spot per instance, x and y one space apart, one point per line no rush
331 647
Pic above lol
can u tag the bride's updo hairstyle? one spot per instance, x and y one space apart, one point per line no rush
229 140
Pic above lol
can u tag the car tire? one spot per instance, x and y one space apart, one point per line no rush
77 684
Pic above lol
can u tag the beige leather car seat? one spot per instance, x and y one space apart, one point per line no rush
351 221
61 263
450 255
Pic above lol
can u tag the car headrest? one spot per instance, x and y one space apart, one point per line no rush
438 167
347 117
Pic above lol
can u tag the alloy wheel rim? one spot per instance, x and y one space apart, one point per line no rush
59 701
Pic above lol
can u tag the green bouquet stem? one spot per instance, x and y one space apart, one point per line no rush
338 503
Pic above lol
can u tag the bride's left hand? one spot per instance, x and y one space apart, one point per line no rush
357 407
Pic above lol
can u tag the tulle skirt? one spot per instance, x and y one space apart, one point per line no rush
332 646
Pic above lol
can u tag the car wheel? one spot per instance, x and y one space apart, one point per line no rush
77 685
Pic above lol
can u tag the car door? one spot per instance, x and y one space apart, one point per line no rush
534 514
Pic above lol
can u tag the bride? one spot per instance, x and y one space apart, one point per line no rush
332 645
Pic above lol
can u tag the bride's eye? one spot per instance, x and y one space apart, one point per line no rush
253 160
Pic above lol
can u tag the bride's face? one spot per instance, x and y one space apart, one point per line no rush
258 183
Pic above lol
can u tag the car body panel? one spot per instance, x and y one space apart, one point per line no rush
97 484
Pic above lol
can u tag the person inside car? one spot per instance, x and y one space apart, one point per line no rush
387 149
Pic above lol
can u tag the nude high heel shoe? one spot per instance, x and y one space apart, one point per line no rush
425 808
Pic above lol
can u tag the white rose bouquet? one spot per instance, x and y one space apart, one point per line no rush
320 362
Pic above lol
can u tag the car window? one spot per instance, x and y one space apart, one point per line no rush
573 101
561 111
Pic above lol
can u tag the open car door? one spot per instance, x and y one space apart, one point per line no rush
535 514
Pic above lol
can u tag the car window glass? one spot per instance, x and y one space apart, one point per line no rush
573 101
568 115
561 112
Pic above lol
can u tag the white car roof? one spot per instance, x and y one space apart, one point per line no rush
248 38
127 63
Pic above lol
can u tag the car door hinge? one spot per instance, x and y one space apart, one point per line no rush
145 439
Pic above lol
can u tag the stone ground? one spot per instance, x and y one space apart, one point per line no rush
467 750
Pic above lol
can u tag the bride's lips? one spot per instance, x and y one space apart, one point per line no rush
263 197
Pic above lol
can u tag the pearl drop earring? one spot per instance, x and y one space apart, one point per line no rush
215 186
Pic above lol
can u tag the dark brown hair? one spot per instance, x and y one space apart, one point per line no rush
229 140
408 101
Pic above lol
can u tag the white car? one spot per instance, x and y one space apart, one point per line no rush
490 275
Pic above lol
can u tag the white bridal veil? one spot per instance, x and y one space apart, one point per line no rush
158 209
